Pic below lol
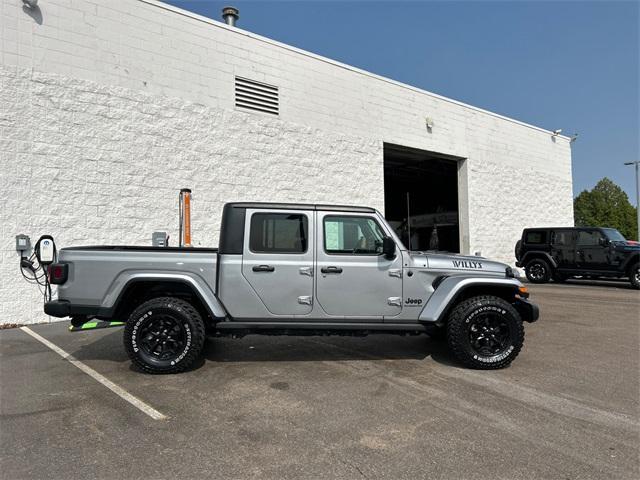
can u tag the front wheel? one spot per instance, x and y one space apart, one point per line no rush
485 332
634 276
164 335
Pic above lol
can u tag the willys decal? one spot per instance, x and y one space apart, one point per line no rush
466 264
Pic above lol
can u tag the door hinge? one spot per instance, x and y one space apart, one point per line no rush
394 301
305 300
306 271
395 272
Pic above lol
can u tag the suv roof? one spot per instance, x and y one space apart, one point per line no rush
560 228
302 206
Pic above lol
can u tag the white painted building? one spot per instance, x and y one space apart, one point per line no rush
109 107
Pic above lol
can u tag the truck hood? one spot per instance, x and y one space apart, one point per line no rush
456 263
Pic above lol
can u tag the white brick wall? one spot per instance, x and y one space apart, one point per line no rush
107 108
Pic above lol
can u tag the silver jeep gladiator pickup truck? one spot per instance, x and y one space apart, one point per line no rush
291 269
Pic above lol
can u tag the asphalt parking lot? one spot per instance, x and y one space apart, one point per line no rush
334 407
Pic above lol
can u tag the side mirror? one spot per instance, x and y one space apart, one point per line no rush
389 248
604 241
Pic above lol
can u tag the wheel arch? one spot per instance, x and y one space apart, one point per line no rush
137 288
532 255
454 290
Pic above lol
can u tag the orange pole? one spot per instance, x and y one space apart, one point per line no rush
186 215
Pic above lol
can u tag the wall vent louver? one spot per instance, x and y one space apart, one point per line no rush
257 96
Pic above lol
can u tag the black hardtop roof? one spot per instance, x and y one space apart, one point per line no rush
301 206
567 228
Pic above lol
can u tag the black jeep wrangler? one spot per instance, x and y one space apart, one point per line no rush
561 253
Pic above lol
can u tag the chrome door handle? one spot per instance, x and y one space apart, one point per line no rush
263 268
306 271
394 301
305 300
331 270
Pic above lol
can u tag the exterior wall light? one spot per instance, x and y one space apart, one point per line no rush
30 3
429 122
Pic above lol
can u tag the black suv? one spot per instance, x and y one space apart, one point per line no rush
561 253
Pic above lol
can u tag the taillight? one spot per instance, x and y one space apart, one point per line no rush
58 273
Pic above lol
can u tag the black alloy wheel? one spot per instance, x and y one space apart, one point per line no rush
489 335
162 337
538 271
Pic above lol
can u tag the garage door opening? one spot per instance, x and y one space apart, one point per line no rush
421 198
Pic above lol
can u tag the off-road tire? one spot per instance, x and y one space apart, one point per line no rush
634 275
189 324
459 331
538 270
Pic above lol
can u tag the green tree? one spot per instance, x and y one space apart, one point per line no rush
607 205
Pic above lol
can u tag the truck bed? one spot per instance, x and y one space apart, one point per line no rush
98 274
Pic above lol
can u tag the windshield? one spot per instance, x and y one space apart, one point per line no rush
614 235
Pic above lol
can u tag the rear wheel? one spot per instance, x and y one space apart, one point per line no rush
164 335
538 271
634 275
485 332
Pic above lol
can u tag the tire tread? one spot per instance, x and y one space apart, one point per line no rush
197 337
455 327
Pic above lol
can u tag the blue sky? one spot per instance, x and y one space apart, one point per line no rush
572 65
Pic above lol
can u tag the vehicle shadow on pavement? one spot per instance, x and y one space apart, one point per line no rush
262 348
621 284
107 347
579 282
266 348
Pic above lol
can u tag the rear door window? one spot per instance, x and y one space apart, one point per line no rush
563 237
278 233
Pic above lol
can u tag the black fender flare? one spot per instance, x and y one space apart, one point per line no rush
530 255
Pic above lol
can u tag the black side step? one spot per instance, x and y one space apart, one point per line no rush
234 328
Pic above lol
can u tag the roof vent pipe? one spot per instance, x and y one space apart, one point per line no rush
230 15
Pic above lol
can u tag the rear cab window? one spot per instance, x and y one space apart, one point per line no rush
279 233
535 237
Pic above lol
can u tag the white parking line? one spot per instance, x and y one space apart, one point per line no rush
122 393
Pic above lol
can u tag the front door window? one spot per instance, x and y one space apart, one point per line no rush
352 236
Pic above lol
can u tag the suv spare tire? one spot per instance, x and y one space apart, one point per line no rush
518 249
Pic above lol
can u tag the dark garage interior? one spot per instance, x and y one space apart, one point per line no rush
421 198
